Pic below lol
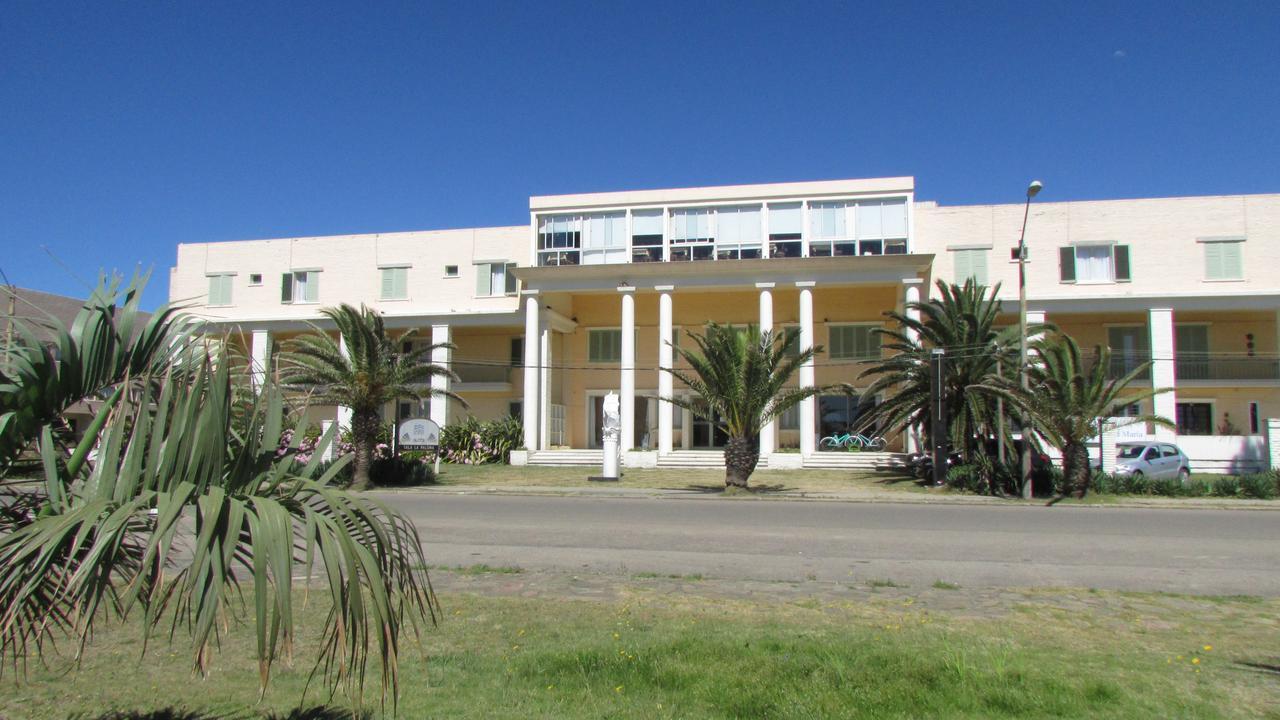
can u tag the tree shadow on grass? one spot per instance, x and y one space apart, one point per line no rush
1271 668
318 712
730 492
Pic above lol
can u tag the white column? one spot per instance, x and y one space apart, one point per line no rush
911 295
442 356
666 358
1160 322
344 413
808 433
1271 427
531 362
768 433
544 396
627 384
260 357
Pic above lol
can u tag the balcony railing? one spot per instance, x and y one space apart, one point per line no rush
1190 367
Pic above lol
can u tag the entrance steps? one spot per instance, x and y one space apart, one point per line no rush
567 458
856 460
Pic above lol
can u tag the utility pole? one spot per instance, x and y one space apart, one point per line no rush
1025 454
938 416
999 414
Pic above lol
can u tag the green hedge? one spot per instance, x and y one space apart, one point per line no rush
473 442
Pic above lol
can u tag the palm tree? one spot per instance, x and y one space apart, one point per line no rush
739 377
186 505
1066 398
961 321
368 373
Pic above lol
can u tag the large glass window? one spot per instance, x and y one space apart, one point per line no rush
559 240
838 414
606 239
646 235
302 286
854 342
738 233
220 289
828 233
691 237
785 230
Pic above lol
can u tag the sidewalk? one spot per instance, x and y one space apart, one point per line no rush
620 490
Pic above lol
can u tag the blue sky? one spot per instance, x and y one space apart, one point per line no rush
126 128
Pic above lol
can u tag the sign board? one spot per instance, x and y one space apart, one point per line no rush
1127 430
418 434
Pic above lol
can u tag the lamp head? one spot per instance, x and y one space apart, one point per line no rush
1034 188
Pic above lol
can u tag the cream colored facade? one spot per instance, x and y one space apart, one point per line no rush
604 279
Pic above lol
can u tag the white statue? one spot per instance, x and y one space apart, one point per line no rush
612 417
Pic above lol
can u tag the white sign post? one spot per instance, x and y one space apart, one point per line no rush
420 434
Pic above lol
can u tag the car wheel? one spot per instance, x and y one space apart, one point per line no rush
1136 475
1184 475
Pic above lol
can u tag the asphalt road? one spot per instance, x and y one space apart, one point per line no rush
1191 551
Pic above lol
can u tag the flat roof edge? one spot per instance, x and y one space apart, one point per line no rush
718 193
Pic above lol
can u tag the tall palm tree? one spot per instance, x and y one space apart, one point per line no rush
1067 396
371 371
961 321
186 504
739 377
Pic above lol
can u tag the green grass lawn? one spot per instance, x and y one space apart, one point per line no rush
811 480
657 654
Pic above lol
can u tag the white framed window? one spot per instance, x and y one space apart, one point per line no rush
738 232
605 239
1223 259
220 289
828 230
604 345
395 283
451 271
691 235
1094 263
255 279
495 278
647 237
786 230
865 227
853 342
971 263
300 286
559 239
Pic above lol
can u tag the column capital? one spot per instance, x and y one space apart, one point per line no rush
805 283
526 292
912 281
626 288
664 288
765 285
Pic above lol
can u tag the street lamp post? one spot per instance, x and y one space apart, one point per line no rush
1025 453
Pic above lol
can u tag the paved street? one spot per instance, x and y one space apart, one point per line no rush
1193 551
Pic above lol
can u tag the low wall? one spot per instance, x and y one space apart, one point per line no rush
1225 454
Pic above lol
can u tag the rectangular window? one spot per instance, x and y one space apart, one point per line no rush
1223 260
604 346
1254 426
691 237
517 351
971 264
605 239
1094 263
220 289
515 409
853 342
829 230
1191 352
1195 418
302 286
738 233
1129 349
495 279
559 239
395 283
646 235
255 279
785 230
790 418
451 271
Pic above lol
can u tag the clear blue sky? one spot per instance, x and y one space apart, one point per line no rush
126 128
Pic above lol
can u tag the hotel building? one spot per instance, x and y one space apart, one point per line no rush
547 318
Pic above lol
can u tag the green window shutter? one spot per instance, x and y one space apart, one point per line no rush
1067 264
483 286
286 288
313 287
1232 261
1213 261
510 288
219 290
963 266
402 282
1122 267
978 265
388 283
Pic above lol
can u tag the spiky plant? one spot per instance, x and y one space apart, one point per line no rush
739 378
185 506
962 322
371 371
1068 395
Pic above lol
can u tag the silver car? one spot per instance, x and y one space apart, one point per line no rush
1152 459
